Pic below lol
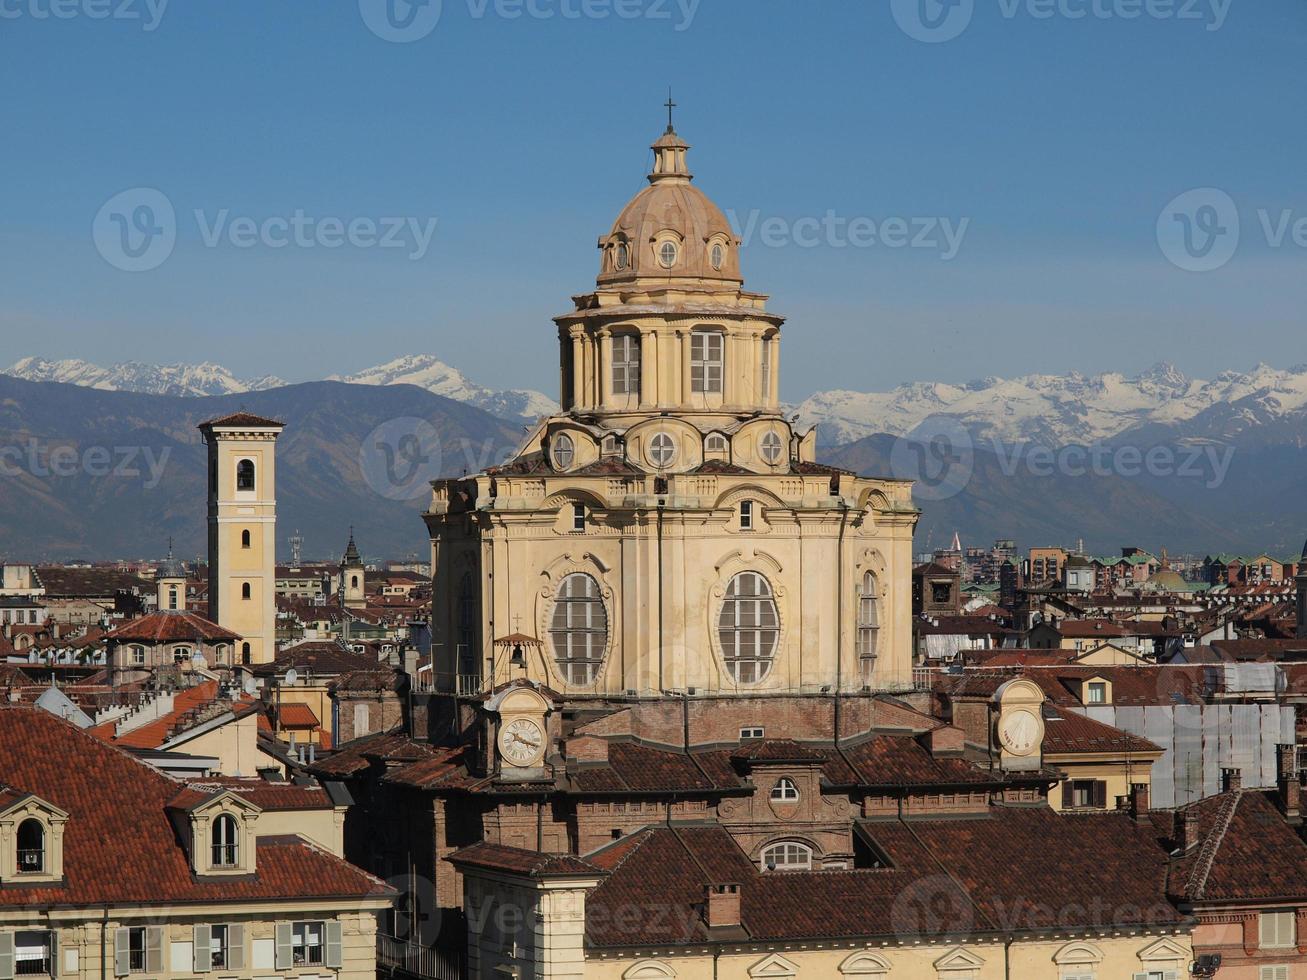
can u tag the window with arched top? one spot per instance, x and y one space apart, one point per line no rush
226 841
868 617
353 581
578 628
785 790
715 443
787 855
245 654
246 591
245 474
748 627
245 538
172 597
31 847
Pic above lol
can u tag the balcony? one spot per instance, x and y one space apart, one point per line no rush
398 958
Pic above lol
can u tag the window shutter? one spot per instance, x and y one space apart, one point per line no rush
203 950
154 949
1100 794
6 956
122 952
1069 800
236 948
333 951
284 954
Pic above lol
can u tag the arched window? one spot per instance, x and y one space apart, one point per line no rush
579 628
353 581
172 597
626 364
245 590
715 443
749 627
467 622
137 655
31 847
245 474
245 538
245 654
226 846
868 618
785 791
181 655
787 855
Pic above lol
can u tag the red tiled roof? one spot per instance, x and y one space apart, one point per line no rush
1084 629
171 626
515 860
188 706
262 793
243 420
296 714
120 846
323 658
359 755
1072 733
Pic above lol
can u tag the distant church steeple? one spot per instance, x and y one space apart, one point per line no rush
353 577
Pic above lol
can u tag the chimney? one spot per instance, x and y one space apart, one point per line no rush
1186 829
722 907
1289 784
1139 802
1231 780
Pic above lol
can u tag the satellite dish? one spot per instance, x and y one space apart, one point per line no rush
292 675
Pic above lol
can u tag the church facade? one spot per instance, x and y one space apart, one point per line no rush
670 530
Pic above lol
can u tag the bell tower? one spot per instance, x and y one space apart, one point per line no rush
243 530
353 577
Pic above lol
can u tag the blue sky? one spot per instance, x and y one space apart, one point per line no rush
1059 139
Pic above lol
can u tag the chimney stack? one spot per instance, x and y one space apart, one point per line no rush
1231 780
1186 829
1289 784
1139 802
722 908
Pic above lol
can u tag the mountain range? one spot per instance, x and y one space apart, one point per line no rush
1241 435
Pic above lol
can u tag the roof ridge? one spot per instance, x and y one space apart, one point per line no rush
1207 854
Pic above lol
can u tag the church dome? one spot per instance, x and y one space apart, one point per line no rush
670 230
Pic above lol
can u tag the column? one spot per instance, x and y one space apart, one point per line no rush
648 369
605 369
578 369
773 394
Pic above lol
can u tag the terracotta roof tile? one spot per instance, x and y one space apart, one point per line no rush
169 627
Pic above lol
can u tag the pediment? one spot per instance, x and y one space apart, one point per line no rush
865 964
959 959
773 966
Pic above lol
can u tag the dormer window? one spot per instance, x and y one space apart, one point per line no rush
226 842
667 253
787 856
717 256
715 443
785 791
772 448
621 256
31 847
564 451
1096 693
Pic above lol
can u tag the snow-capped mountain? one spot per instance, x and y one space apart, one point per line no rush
1059 410
425 371
151 379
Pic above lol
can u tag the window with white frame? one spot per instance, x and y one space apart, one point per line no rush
667 253
746 515
707 353
787 856
307 943
749 627
31 847
138 655
1097 693
33 954
578 517
772 448
785 791
715 443
754 732
564 451
626 364
1158 975
138 949
219 947
1276 930
662 450
1280 972
578 628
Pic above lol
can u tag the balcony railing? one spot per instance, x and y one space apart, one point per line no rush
398 956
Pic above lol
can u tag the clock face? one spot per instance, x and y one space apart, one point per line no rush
521 742
1019 732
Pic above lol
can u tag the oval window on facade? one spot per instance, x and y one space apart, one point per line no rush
578 629
717 256
749 627
662 450
621 256
667 254
772 448
564 451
